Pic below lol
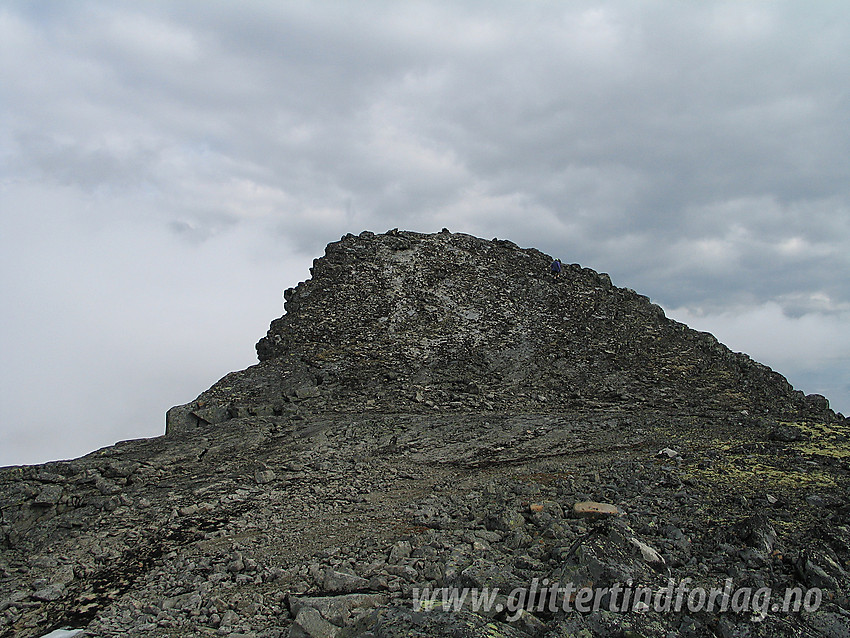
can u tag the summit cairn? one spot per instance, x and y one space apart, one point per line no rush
437 414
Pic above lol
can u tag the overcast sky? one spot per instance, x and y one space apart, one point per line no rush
168 168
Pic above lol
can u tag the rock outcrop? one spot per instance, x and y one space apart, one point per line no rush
402 321
436 411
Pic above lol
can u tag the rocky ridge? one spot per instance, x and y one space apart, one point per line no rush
432 411
399 321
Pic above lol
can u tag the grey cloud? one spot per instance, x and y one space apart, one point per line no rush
696 151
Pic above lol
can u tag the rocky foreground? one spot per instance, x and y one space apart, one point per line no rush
434 411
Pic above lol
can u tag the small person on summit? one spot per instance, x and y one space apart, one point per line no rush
556 268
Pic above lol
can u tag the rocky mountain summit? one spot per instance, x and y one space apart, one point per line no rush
436 416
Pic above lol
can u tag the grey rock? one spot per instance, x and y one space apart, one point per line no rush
310 624
399 552
757 532
786 433
819 570
815 500
49 495
262 477
727 628
335 581
107 487
211 414
829 624
594 510
647 553
229 618
483 573
181 418
307 392
668 453
13 599
399 622
337 609
50 593
505 521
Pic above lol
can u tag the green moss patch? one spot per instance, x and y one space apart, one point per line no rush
823 439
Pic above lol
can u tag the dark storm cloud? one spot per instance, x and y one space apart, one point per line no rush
696 151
